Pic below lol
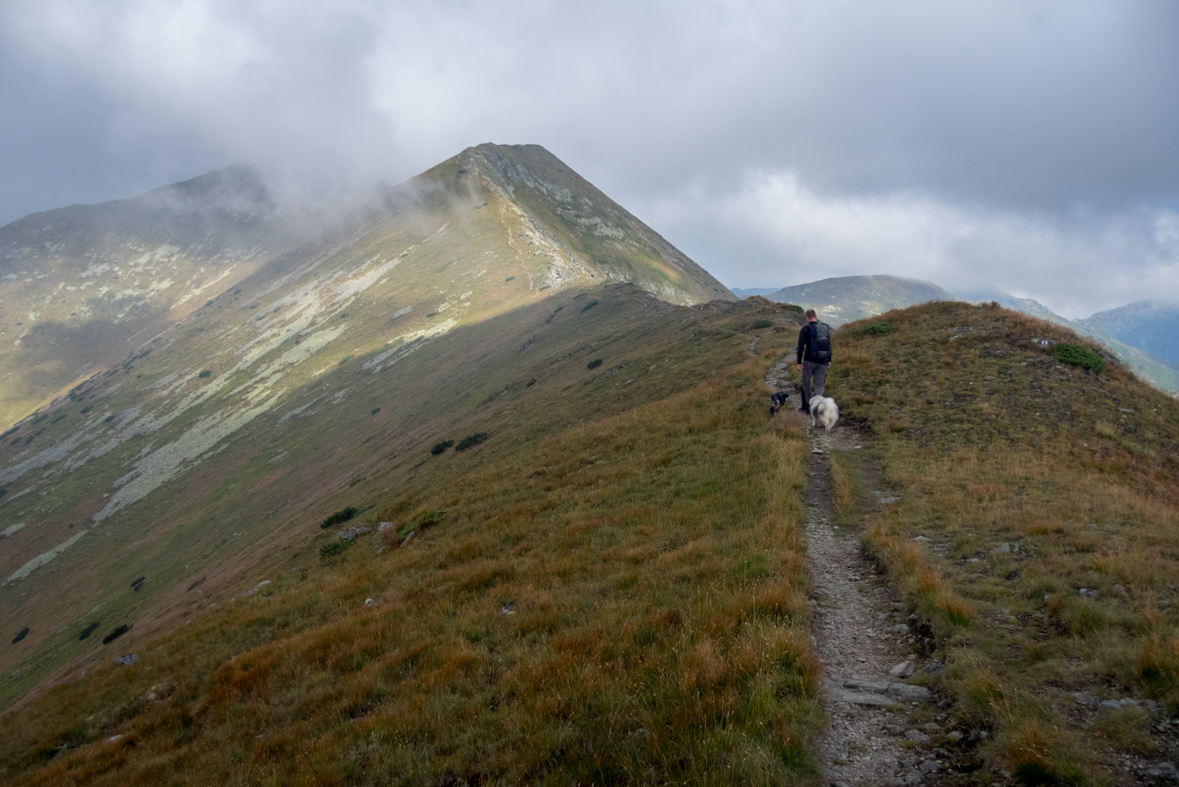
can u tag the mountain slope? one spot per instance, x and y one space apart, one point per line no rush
1151 327
1033 529
610 588
205 445
847 298
1160 373
81 286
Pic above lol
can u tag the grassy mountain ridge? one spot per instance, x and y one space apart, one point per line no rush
859 297
1035 531
323 371
619 599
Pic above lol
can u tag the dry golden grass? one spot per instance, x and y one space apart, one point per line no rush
624 602
991 441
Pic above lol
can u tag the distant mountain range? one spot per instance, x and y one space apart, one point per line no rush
1143 335
765 292
849 298
1149 326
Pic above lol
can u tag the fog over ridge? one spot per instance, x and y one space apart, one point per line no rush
1025 145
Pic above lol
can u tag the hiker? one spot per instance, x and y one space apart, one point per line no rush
814 356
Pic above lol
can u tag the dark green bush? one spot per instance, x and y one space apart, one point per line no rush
118 631
335 547
757 326
86 632
1076 355
137 584
343 515
530 383
509 278
589 306
375 410
205 373
20 635
441 446
471 440
3 491
594 364
882 328
793 308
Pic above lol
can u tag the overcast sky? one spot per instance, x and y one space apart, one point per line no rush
1025 144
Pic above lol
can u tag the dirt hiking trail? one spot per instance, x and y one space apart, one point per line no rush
884 729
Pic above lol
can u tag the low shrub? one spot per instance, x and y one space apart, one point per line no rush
471 441
205 373
594 364
86 632
530 383
589 306
343 515
375 410
794 308
757 326
882 328
20 635
345 359
441 446
335 547
117 632
1075 355
137 584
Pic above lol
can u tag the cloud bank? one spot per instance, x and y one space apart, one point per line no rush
1029 137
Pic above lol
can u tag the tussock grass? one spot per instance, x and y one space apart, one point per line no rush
990 441
624 601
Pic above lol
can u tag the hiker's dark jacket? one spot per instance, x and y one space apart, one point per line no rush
804 345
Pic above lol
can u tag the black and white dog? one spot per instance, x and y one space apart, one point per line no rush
777 402
824 411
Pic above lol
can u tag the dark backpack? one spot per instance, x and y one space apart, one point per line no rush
820 342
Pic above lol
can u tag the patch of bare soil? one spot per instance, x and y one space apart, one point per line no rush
885 729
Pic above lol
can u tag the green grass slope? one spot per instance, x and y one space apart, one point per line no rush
610 588
1035 533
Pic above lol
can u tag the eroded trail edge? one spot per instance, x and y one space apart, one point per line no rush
884 726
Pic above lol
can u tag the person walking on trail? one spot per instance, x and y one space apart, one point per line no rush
814 356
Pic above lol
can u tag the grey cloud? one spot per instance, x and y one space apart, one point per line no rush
1052 119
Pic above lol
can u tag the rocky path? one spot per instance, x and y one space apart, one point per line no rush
884 730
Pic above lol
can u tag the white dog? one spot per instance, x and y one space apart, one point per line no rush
824 411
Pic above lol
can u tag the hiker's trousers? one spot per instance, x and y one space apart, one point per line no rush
818 373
